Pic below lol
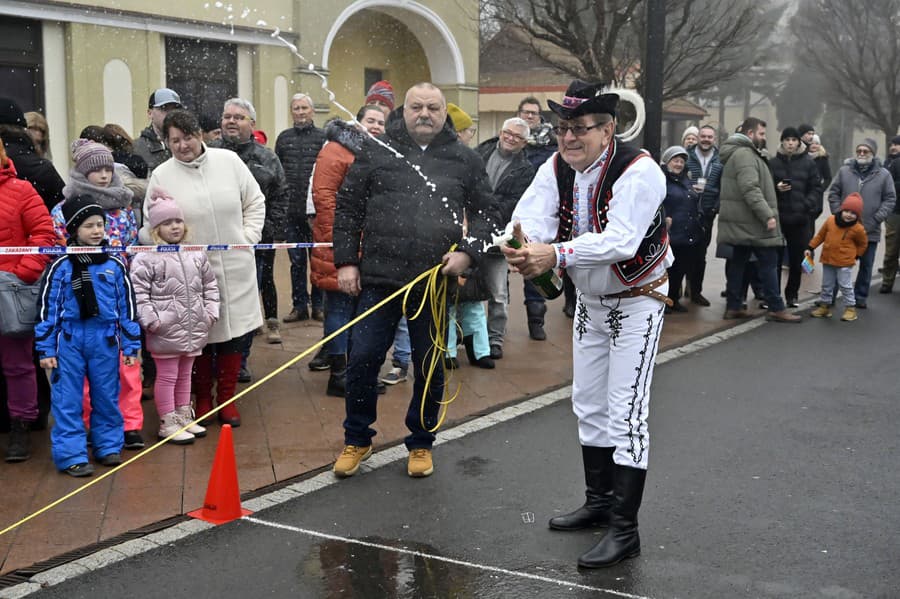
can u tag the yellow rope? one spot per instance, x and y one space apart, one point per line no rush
432 275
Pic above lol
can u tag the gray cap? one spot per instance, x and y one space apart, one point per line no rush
671 152
164 96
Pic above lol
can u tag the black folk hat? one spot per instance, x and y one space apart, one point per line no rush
585 98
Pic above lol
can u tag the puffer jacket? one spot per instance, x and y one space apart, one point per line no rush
804 200
39 172
875 185
335 158
842 245
747 198
267 170
26 222
178 301
682 205
406 213
297 148
115 298
149 147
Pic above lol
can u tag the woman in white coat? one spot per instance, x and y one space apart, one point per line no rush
222 204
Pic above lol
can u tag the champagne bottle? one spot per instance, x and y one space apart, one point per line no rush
548 284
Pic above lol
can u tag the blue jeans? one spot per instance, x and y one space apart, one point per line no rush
531 293
298 232
766 265
369 343
402 350
339 308
864 276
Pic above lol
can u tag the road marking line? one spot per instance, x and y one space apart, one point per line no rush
440 558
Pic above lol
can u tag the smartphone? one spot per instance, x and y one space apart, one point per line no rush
786 181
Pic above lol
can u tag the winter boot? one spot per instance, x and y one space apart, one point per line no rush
186 416
229 365
822 311
849 314
337 382
273 335
598 480
535 312
320 361
170 423
19 448
622 540
203 382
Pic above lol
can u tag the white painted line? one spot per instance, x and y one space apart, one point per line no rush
378 460
441 558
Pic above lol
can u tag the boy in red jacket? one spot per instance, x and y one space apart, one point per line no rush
844 241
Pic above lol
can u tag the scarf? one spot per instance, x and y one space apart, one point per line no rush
116 196
82 284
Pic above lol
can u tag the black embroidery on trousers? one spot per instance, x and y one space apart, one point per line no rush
582 317
640 387
614 320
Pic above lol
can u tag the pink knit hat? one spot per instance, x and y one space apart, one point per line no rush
163 207
90 156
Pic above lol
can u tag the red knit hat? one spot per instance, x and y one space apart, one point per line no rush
381 91
853 203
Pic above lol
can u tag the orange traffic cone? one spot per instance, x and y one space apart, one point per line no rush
223 498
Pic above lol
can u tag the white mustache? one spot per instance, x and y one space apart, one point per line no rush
423 121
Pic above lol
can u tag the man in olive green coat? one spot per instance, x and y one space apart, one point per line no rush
748 220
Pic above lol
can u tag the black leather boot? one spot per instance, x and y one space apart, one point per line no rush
535 312
337 380
19 448
598 481
622 540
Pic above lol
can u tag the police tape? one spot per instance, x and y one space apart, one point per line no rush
164 249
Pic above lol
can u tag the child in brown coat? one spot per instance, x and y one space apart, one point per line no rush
844 240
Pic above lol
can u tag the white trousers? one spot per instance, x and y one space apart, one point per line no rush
614 351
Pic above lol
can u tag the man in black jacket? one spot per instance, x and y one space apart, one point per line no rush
399 211
149 144
799 189
892 224
509 173
297 149
20 149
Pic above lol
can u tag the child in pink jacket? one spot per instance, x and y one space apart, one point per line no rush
178 302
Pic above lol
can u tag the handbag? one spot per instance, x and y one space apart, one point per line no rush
475 287
18 306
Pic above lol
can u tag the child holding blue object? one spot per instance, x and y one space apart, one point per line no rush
87 315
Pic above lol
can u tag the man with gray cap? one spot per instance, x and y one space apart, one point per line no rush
594 209
149 145
865 175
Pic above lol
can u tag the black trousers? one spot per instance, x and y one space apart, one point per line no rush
797 238
689 263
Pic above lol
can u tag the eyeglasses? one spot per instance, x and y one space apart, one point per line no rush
234 117
577 130
514 136
529 112
863 152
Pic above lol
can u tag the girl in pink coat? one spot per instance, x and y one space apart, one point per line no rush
178 302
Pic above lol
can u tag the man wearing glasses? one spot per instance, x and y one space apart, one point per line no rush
509 174
149 145
865 175
541 141
595 210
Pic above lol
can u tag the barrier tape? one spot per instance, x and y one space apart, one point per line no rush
433 277
137 249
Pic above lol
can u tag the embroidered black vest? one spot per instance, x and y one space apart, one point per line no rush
655 243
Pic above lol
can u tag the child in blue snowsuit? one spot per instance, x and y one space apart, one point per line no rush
88 315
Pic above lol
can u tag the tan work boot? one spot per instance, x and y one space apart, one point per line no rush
783 316
168 424
348 462
273 335
849 314
420 463
822 311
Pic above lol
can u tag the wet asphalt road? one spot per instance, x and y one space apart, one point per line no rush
773 474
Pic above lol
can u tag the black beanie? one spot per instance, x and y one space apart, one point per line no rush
804 129
790 132
11 114
78 209
896 140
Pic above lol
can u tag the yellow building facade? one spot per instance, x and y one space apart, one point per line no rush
85 63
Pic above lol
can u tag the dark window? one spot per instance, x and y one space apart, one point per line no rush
372 76
203 73
21 76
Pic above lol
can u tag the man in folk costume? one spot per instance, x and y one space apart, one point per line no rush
595 210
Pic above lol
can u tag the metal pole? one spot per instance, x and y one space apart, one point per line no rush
653 74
